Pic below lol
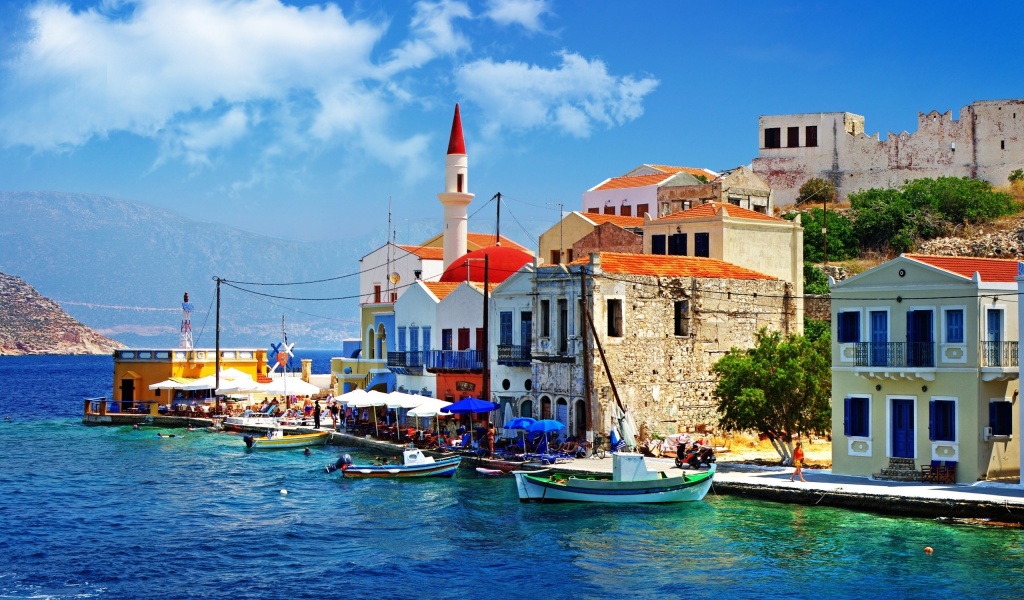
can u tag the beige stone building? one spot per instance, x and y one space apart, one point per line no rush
737 187
986 142
925 369
663 321
735 235
556 244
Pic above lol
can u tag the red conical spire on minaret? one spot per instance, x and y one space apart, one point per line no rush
456 145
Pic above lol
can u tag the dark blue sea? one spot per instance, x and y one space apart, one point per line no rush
108 512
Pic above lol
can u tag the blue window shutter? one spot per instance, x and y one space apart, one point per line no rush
847 417
932 406
992 415
426 338
401 339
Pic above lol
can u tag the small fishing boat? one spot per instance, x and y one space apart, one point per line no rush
631 482
415 464
277 440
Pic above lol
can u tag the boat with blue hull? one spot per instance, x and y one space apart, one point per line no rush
630 482
415 464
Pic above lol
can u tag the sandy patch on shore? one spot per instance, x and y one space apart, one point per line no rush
817 453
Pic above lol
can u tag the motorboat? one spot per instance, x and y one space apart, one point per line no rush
630 482
276 439
414 464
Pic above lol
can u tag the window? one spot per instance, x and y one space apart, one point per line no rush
505 328
526 328
942 421
414 339
563 326
1002 144
545 318
848 327
556 257
735 200
609 210
657 244
458 182
401 339
792 137
615 318
856 413
811 136
1000 417
446 339
594 210
955 326
772 137
677 244
480 340
426 339
376 293
626 211
702 244
641 210
682 317
463 338
569 251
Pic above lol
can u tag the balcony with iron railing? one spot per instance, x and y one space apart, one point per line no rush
915 355
514 356
998 354
406 361
466 361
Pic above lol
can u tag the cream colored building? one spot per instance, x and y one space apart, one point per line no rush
735 235
556 243
986 142
924 367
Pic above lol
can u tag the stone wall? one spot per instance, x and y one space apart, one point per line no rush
818 307
608 237
665 379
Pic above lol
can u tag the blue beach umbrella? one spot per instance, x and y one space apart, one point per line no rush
520 423
469 405
546 426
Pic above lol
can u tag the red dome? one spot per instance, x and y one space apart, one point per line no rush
502 262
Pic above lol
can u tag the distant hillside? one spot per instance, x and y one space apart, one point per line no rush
122 268
32 324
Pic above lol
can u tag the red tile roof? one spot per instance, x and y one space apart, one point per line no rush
634 181
711 209
707 173
440 289
428 252
658 265
990 269
621 221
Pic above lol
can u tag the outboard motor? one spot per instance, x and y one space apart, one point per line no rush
248 440
342 464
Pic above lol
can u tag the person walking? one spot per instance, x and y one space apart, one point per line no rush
316 414
798 462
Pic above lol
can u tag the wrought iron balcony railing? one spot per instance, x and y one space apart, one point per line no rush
513 355
408 360
895 354
999 354
454 360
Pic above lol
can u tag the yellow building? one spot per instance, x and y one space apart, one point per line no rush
136 369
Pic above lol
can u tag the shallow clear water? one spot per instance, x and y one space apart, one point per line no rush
116 513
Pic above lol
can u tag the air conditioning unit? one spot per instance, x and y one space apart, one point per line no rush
986 433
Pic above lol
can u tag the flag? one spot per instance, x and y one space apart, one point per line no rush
615 441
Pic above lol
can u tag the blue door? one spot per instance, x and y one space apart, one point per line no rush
903 428
879 338
920 342
994 338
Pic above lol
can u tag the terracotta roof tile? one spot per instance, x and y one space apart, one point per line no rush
428 252
708 173
619 220
633 181
658 265
440 289
991 269
711 209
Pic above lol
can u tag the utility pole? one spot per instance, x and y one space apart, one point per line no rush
217 350
485 353
588 399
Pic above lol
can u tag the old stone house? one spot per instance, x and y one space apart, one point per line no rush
558 243
986 142
663 321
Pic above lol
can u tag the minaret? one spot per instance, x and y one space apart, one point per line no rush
455 197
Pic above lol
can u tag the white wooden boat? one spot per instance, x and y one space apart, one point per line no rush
631 482
415 464
275 439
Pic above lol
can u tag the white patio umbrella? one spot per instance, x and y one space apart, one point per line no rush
290 386
430 407
174 383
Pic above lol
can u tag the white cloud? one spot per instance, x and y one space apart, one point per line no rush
574 97
525 13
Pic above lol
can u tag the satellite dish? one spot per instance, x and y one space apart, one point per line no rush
394 277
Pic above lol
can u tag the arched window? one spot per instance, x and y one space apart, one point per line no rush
526 408
545 407
562 412
580 418
371 343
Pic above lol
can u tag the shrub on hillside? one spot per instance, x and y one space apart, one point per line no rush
841 237
815 280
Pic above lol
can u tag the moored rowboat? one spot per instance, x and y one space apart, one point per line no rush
416 464
630 482
278 441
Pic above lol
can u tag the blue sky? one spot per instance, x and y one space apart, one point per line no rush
301 119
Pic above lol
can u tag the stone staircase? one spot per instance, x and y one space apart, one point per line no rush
900 469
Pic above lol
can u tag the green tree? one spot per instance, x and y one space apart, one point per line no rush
842 238
814 329
815 280
959 199
1016 175
779 387
817 189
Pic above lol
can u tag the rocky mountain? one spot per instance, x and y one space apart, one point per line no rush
33 324
122 268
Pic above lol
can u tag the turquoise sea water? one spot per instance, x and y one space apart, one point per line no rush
114 513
